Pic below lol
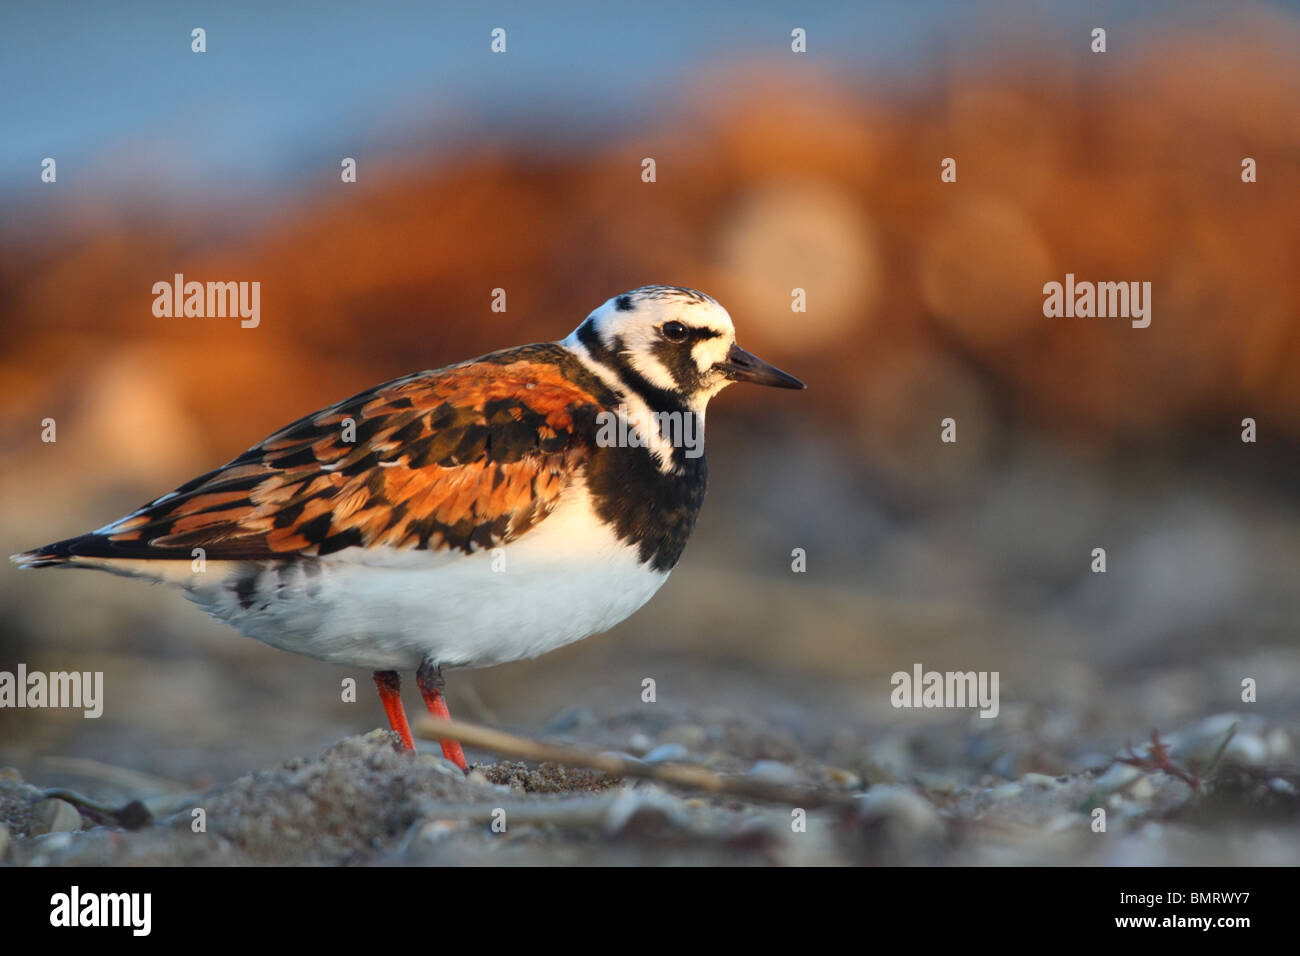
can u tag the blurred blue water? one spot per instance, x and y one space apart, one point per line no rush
111 88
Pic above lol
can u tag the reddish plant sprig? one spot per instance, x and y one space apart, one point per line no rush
1158 759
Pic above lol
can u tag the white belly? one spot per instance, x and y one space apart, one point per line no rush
565 579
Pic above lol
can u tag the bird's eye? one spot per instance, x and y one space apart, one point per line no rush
674 331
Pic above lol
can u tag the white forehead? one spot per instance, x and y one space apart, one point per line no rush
639 313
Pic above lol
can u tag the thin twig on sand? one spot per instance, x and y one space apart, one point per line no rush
692 777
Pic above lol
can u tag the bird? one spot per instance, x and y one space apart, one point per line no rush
480 513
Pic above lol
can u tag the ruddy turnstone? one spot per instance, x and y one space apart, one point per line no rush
480 513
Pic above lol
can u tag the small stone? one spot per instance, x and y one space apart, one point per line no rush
478 778
690 736
877 774
52 843
899 805
11 773
842 778
1065 822
1143 790
890 758
640 743
1246 750
1200 742
773 771
55 816
1280 785
1119 775
1280 748
934 782
1038 780
445 766
433 831
645 810
667 752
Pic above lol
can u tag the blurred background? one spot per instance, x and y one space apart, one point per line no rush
775 170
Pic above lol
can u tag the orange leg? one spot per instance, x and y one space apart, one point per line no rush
390 692
430 680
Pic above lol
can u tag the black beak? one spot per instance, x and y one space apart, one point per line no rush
741 366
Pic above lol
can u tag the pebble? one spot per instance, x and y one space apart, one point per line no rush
1200 741
11 773
1006 791
648 807
1143 791
772 771
842 778
1246 750
691 736
432 831
1152 830
1119 775
875 773
935 783
640 743
53 842
55 816
1038 780
1279 785
893 756
667 752
445 766
1279 745
1128 809
899 805
1065 822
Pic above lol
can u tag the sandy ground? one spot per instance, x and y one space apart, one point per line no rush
896 799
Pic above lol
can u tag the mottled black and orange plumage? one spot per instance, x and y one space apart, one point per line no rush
466 457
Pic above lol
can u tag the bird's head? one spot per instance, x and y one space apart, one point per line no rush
677 341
